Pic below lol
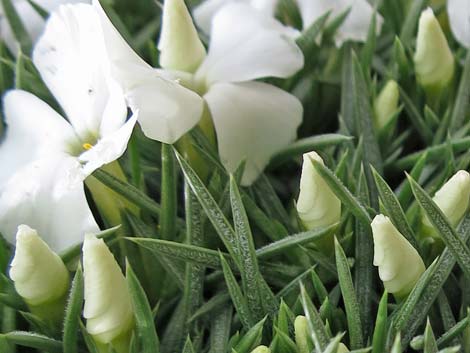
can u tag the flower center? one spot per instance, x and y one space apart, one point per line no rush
87 146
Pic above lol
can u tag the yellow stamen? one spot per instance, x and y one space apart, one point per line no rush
87 146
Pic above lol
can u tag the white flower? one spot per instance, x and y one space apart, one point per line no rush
356 25
459 18
39 274
453 199
204 13
30 18
400 265
253 120
317 206
108 308
44 157
433 59
166 109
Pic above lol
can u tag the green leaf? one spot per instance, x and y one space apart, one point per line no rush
430 344
130 192
394 209
405 194
455 244
238 299
307 40
411 21
415 117
308 144
188 346
72 314
317 328
145 327
251 339
17 27
349 297
212 209
381 323
168 194
220 330
454 332
462 101
348 200
396 348
259 296
33 340
367 52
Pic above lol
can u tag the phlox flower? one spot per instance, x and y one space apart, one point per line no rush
355 26
252 119
30 18
45 157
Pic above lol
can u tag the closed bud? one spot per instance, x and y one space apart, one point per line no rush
434 62
342 348
317 205
261 349
453 199
400 265
179 45
386 104
108 307
302 335
39 275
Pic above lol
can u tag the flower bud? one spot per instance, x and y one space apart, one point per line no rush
302 336
108 307
317 205
386 104
453 199
179 45
342 348
400 265
434 62
261 349
39 275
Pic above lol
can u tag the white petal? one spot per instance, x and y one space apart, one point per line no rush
459 18
108 149
356 25
253 120
204 13
166 110
47 195
33 129
72 61
247 44
266 6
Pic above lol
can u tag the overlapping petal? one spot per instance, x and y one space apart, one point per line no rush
261 47
253 120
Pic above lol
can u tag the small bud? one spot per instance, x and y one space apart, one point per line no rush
179 45
453 199
434 62
108 307
39 275
342 348
317 205
261 349
302 336
386 104
400 265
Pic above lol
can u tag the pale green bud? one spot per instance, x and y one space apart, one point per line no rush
108 307
179 45
317 205
386 104
434 62
400 265
261 349
342 348
453 199
302 335
39 275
